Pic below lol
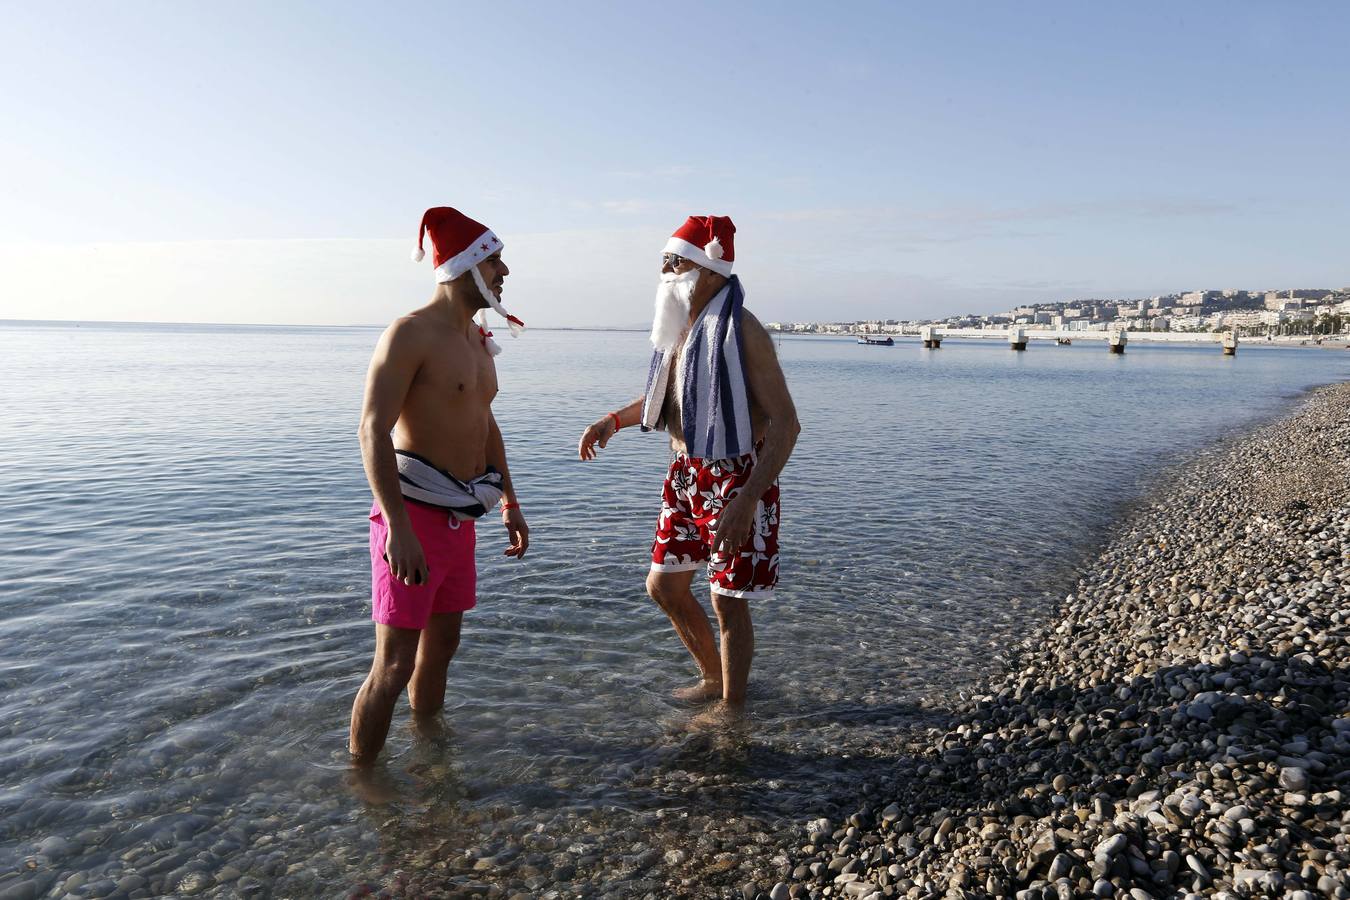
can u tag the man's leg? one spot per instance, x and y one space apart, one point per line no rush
738 645
671 592
440 640
395 661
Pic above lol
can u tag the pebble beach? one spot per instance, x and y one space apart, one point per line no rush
1180 729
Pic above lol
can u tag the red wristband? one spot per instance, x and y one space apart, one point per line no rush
617 423
510 506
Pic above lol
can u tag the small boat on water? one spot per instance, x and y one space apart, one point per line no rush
876 341
1063 342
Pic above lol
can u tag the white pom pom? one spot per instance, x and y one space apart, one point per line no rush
418 255
713 248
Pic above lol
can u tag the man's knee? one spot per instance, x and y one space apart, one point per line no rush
666 591
441 638
443 644
439 652
394 671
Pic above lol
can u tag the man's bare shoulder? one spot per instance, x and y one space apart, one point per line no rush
412 327
756 336
416 332
403 346
750 322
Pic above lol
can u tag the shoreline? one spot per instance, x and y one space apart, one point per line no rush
1178 728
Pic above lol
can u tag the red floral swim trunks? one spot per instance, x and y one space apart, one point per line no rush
692 498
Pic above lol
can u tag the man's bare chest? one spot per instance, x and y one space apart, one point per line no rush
454 379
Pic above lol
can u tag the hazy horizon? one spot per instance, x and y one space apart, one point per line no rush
270 164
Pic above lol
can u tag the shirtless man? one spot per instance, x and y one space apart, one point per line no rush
432 380
716 386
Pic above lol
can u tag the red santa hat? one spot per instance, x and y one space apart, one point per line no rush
709 241
459 244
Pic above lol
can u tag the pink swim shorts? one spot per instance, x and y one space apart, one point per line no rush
448 546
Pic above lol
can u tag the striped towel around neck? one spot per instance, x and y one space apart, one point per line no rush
420 480
714 399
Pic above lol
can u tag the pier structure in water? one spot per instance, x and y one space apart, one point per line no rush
1116 340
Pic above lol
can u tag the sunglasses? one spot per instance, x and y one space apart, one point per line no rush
670 259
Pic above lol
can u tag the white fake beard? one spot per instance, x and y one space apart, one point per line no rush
674 295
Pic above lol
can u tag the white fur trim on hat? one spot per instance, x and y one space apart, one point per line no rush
681 247
469 257
713 249
418 255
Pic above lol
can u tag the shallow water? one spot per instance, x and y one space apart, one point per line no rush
184 585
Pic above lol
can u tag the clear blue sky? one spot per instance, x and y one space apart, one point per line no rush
270 161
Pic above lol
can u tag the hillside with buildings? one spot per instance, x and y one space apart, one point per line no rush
1283 312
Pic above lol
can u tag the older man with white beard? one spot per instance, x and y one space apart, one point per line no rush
715 385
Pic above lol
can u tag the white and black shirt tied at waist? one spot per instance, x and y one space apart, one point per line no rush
420 480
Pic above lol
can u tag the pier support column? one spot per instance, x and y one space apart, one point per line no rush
1116 342
1017 338
931 339
1230 342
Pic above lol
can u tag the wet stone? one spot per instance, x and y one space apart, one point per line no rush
1293 778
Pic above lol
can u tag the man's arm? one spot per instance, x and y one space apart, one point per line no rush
601 430
397 357
512 517
769 392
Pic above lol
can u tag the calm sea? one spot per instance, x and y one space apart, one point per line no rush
184 586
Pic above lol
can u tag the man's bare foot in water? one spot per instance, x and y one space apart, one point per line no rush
699 693
719 716
373 786
430 726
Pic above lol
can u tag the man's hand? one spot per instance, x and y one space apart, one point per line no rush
734 524
514 520
599 433
403 553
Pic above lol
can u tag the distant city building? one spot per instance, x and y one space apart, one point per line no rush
1272 298
1245 317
